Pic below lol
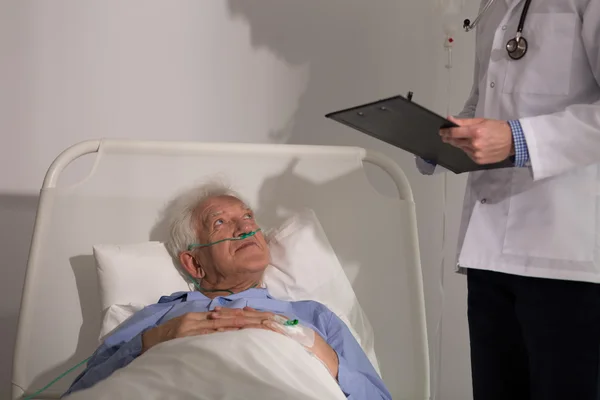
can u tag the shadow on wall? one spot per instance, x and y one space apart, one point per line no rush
17 217
274 197
302 32
346 44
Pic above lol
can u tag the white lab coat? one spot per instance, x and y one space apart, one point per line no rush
543 220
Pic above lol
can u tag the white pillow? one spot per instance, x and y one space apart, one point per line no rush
303 267
136 273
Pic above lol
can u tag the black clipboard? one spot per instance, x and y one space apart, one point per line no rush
407 125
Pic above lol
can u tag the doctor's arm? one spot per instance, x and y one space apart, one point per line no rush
356 376
569 139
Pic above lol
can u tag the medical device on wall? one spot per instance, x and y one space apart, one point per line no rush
517 46
451 11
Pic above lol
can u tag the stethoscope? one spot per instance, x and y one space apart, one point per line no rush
516 47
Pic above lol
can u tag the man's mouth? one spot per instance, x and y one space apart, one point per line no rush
246 245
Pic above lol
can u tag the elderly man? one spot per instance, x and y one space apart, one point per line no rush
230 296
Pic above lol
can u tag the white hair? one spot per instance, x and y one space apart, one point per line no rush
180 214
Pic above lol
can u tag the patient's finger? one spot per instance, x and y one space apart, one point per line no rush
246 311
221 312
235 322
270 314
195 316
227 329
241 312
203 330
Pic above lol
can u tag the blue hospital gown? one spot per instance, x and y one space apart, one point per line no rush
357 378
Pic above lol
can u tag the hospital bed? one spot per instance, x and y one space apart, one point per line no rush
120 186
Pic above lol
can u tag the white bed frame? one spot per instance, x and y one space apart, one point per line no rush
375 237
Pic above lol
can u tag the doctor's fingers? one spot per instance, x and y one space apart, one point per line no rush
462 132
479 157
463 144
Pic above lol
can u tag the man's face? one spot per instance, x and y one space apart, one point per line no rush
225 217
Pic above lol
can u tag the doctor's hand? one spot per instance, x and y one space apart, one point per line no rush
486 141
194 324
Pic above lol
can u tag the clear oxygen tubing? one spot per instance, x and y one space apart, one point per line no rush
32 396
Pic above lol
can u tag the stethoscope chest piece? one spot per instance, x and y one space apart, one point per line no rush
517 47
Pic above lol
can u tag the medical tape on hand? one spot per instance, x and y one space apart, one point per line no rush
294 330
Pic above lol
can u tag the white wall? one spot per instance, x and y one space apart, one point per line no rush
227 70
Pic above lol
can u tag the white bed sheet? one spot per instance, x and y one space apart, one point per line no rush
248 364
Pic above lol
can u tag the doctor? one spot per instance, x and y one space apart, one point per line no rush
529 240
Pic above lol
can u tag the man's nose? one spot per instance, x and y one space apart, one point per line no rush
242 227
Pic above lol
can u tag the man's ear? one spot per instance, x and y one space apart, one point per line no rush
192 267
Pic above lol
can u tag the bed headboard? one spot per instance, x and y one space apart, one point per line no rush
118 201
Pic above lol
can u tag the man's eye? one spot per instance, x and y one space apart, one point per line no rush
248 216
219 222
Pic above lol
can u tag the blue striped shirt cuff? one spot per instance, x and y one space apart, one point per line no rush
521 152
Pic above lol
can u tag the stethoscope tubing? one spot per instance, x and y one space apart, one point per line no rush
516 47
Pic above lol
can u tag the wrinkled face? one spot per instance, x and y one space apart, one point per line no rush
225 217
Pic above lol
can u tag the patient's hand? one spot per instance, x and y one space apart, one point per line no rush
320 348
224 312
193 324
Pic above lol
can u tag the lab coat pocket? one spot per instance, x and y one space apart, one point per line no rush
554 218
546 68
